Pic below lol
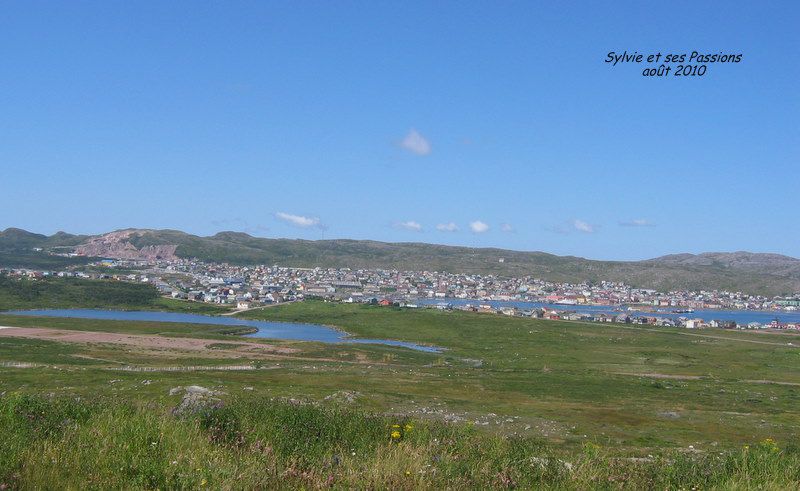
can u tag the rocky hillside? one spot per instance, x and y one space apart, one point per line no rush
120 245
768 274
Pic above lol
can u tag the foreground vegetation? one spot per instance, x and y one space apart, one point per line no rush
510 402
268 443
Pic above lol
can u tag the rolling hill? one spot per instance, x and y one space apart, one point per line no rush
767 274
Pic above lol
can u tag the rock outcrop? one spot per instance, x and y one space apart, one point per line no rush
118 245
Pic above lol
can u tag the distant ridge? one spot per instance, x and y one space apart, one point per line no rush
755 273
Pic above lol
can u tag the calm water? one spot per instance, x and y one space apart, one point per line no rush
266 329
742 317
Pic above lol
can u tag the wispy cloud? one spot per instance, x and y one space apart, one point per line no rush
416 143
447 227
299 220
507 228
571 226
410 225
478 227
638 222
584 227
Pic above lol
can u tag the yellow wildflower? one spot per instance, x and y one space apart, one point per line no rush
769 444
408 427
395 434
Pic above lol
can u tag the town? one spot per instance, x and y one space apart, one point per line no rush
249 287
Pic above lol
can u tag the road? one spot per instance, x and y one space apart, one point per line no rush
788 344
239 311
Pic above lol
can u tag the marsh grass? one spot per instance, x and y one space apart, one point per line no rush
259 442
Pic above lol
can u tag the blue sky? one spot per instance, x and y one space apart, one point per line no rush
499 123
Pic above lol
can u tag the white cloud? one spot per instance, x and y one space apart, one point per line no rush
507 227
298 220
639 222
447 227
410 225
478 227
582 226
416 143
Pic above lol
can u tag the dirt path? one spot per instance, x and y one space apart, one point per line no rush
702 377
138 340
661 376
724 338
792 384
709 336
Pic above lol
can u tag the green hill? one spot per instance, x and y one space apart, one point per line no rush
768 274
18 249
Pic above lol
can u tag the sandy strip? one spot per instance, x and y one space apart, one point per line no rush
661 375
793 384
699 377
139 340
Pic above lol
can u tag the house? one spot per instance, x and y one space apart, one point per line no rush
694 323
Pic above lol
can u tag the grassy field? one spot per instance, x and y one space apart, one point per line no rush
267 443
509 402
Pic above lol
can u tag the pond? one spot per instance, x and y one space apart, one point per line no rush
266 329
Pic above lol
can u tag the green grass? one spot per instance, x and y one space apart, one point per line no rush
517 344
603 380
593 395
257 442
